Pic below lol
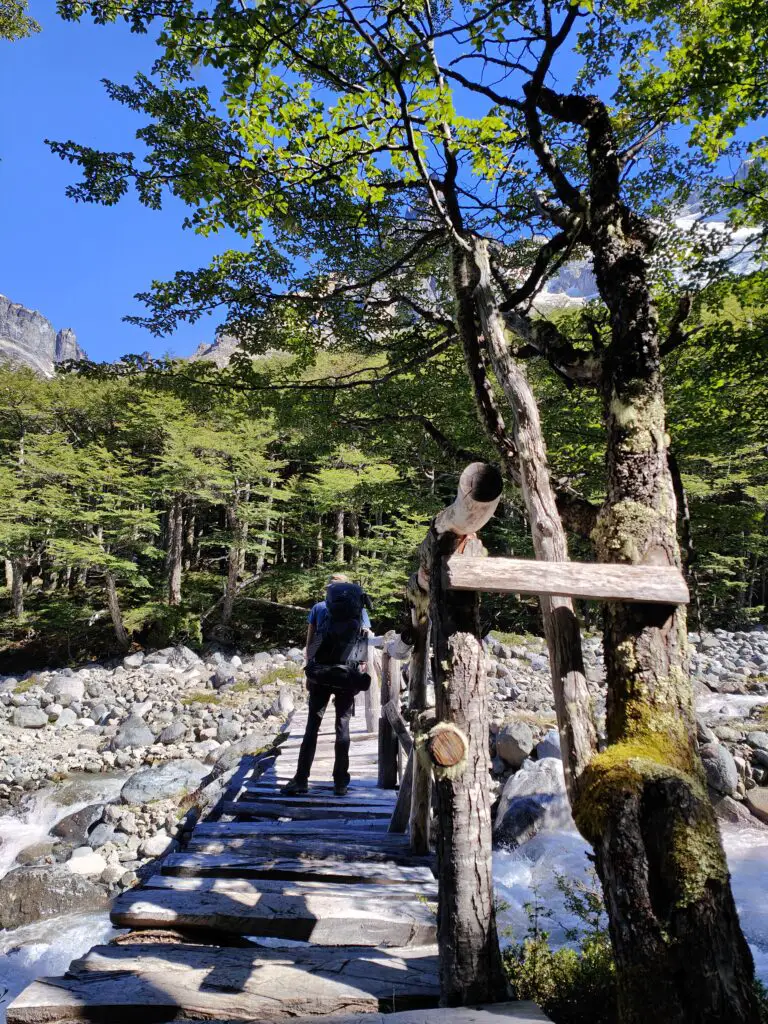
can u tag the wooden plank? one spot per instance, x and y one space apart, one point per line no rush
152 983
317 918
393 891
658 584
261 809
326 799
395 850
243 865
315 829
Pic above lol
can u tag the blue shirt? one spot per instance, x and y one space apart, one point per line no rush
319 614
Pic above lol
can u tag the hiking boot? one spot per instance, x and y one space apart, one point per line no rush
295 788
340 790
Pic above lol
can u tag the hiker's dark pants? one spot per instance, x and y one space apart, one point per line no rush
318 702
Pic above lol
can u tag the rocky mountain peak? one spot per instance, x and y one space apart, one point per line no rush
29 339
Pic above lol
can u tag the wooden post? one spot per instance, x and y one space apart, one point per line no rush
455 748
402 812
388 745
373 693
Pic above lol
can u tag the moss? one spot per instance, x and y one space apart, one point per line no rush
620 773
204 697
642 420
698 857
621 532
27 684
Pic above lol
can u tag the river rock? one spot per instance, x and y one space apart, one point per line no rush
730 810
66 689
169 781
134 732
44 850
720 768
67 717
102 834
34 893
156 845
173 733
85 861
758 740
533 799
757 801
135 660
514 742
549 746
30 717
284 703
75 827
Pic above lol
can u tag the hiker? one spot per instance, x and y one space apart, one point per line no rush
335 666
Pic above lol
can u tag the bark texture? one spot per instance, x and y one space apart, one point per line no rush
175 549
115 614
470 961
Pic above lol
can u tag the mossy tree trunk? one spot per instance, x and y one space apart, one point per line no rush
175 549
643 803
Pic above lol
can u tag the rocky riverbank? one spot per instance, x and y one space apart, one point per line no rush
730 672
102 767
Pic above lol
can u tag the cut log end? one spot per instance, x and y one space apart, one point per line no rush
481 481
447 746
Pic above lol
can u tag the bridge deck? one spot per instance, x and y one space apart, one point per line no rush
300 907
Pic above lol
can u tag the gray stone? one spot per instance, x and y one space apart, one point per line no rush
549 746
533 799
156 845
75 827
173 733
66 688
30 717
760 756
135 660
284 704
35 893
134 732
720 768
169 781
758 740
730 810
223 676
514 742
42 851
757 801
66 718
228 731
101 835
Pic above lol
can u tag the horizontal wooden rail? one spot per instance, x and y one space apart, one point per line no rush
598 581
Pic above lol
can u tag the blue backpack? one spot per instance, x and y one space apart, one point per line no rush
333 663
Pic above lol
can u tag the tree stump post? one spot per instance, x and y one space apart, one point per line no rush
373 693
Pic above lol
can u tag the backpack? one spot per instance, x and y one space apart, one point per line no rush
341 645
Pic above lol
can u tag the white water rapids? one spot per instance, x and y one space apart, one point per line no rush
521 876
47 947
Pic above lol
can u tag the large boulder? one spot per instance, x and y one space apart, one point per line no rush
174 732
85 861
720 768
30 717
514 742
75 827
33 893
758 740
134 732
533 799
169 781
549 745
66 689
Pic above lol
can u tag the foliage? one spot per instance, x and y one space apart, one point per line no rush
15 23
574 984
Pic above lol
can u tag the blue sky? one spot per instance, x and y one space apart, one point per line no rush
79 264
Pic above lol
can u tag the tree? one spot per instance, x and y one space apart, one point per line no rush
15 23
400 212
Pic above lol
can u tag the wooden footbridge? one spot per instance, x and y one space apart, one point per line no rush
317 906
279 908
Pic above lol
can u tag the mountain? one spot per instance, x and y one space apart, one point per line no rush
26 337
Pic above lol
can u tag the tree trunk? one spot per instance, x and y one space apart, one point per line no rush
8 574
189 542
113 604
470 961
17 588
477 304
644 803
175 550
339 536
319 544
354 547
261 561
234 526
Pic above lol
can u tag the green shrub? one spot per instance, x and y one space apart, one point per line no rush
571 985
